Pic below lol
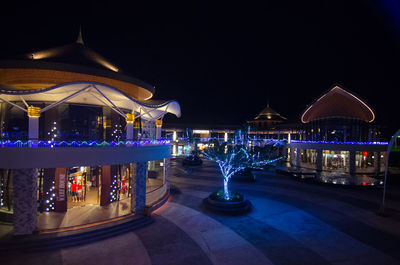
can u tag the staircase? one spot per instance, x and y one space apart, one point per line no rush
54 241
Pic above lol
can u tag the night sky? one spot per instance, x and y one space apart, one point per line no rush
223 62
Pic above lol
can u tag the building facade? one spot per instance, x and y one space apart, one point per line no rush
338 135
75 131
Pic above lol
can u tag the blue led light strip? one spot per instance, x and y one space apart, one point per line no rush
334 142
51 144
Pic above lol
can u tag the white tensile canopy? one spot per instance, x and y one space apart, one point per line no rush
90 93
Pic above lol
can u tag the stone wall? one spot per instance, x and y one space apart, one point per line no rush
25 200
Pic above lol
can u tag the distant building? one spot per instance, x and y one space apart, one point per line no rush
267 119
186 138
338 135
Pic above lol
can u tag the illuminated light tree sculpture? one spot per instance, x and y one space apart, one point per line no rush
230 160
236 157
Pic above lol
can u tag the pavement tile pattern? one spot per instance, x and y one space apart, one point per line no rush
291 223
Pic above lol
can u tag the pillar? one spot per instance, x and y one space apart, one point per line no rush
33 128
291 150
174 136
167 162
278 150
158 129
319 160
138 199
25 200
298 154
129 126
132 167
137 126
352 162
105 185
377 162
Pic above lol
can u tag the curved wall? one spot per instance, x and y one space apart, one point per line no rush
64 157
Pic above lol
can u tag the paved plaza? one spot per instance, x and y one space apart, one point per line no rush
291 223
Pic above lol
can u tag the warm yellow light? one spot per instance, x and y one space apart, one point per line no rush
201 131
138 125
42 54
158 123
33 111
130 117
107 124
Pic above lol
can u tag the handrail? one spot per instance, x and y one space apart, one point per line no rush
52 144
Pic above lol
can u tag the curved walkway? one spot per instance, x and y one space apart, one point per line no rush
291 223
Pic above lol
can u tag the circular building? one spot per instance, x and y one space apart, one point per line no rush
76 132
338 136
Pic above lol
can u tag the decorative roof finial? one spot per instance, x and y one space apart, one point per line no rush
80 39
268 102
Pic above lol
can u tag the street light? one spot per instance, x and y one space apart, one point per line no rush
390 146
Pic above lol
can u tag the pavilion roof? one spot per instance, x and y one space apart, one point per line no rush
338 103
269 114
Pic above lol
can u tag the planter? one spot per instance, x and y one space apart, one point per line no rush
238 204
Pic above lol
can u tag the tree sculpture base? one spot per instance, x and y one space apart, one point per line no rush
236 205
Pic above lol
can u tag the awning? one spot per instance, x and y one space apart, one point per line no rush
91 93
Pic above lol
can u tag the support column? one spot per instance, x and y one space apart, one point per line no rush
298 154
319 160
25 200
158 129
291 161
133 186
129 126
33 128
167 162
105 185
377 162
137 129
278 151
138 201
352 162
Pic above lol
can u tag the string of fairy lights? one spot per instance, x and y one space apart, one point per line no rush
50 201
1 194
117 133
114 189
53 134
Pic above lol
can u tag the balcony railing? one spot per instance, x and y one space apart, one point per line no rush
338 142
52 144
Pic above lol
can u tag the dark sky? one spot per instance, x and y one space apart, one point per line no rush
222 62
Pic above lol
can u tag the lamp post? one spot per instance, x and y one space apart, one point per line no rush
390 146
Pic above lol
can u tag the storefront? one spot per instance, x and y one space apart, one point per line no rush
335 160
352 157
6 191
60 189
83 186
